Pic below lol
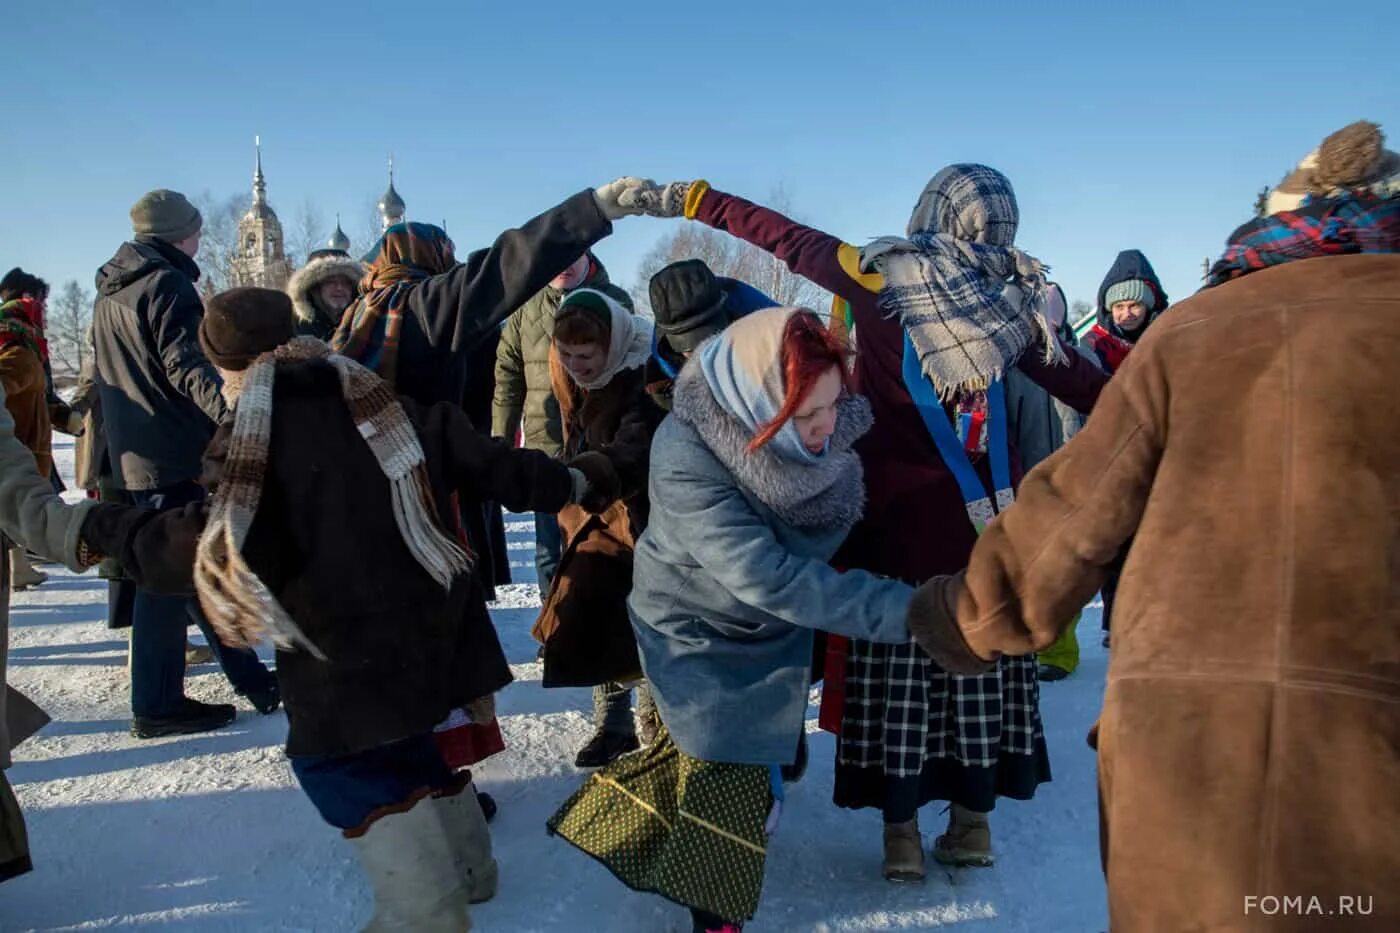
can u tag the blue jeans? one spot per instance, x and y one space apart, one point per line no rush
548 545
158 625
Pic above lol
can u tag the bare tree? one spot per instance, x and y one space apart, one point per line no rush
371 228
67 323
308 232
1261 202
218 244
731 257
1078 311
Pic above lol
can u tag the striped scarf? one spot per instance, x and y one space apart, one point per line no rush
238 605
1352 223
370 329
966 296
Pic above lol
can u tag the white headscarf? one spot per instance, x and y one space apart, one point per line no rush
629 341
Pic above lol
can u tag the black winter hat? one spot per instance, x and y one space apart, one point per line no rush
688 304
242 324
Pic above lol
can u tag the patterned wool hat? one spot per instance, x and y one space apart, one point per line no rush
1131 290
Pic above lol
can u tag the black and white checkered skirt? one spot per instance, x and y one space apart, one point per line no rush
962 738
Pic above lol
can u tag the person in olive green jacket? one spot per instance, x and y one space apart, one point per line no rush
523 392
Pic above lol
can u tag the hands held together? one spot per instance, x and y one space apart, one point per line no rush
630 196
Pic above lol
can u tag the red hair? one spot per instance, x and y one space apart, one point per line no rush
809 351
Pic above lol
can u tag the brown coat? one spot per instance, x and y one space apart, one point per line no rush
584 624
26 396
1250 737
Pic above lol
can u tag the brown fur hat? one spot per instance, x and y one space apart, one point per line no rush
1351 159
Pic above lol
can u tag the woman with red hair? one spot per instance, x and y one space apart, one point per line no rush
939 317
753 486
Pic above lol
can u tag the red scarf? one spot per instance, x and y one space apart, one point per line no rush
22 321
1111 349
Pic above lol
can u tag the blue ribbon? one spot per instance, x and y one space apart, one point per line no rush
951 449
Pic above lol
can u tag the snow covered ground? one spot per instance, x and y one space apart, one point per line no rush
210 832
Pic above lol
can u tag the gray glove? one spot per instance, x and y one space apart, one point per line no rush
627 196
580 485
671 201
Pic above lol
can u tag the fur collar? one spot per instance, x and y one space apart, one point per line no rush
823 495
313 274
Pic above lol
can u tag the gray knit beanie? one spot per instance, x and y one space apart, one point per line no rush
1131 290
166 215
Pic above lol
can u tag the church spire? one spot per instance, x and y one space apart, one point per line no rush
260 258
391 206
339 240
259 183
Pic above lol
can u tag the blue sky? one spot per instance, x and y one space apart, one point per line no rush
1125 125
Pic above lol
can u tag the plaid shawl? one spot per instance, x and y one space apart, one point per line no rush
21 321
369 330
966 296
1354 223
238 605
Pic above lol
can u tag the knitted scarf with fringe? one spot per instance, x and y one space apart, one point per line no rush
237 603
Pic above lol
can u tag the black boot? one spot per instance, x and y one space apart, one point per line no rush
195 717
265 699
488 805
604 748
702 922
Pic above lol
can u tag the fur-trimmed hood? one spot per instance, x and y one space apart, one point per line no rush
313 274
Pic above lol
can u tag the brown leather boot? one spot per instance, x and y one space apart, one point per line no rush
904 852
968 841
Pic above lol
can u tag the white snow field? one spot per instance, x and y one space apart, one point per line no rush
211 833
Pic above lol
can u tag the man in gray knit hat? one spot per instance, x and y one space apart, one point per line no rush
161 400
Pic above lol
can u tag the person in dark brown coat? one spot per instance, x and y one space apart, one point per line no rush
598 364
328 532
1249 744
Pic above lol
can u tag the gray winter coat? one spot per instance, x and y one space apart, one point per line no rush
725 599
32 514
160 395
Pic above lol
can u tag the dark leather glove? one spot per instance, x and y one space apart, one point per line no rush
603 484
933 621
156 549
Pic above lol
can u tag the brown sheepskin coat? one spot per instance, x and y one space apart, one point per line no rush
1249 745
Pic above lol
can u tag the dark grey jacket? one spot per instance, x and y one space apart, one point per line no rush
160 395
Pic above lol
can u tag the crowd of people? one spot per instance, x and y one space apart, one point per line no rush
909 498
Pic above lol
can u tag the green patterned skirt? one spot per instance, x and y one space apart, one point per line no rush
669 824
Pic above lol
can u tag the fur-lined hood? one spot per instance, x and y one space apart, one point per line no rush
313 274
